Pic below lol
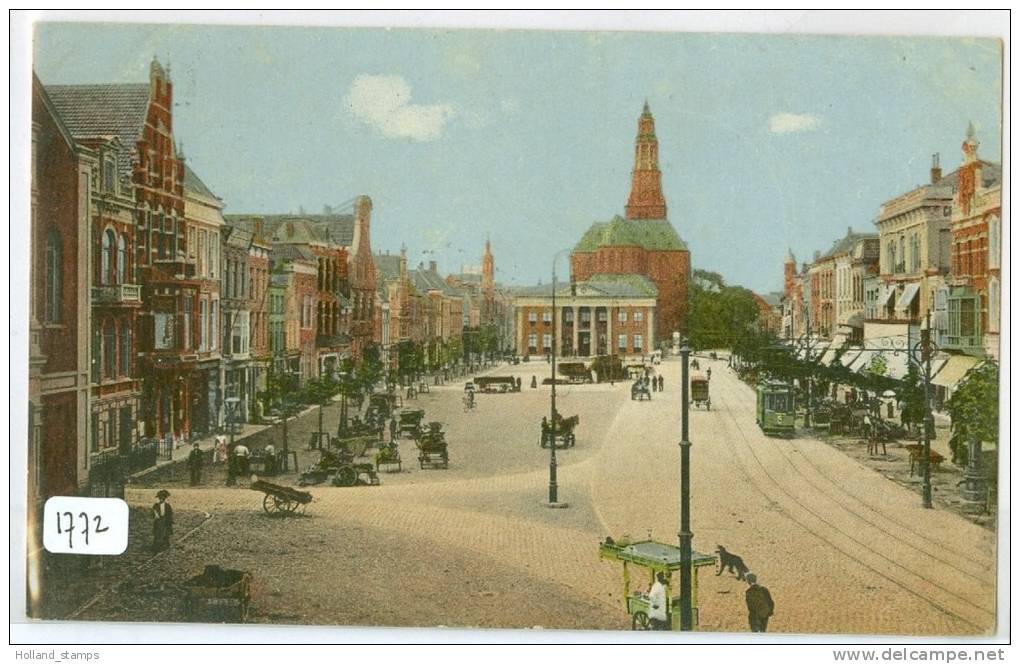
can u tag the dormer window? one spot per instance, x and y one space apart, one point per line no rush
110 175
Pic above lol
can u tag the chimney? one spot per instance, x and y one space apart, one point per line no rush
432 266
818 255
936 170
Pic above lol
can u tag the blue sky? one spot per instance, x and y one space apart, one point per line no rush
527 137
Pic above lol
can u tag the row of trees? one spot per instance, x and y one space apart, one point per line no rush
720 315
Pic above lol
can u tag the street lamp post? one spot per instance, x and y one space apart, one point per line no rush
553 488
686 617
923 350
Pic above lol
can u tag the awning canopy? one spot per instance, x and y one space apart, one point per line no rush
886 295
954 370
909 293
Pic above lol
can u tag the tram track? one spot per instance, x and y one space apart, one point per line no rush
964 610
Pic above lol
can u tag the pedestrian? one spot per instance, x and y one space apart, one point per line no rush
660 382
759 604
655 384
534 382
657 617
393 429
241 454
270 459
195 464
708 372
221 448
162 522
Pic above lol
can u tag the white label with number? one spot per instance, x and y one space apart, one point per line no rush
86 526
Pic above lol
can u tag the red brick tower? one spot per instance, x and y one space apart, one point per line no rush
488 270
789 273
646 200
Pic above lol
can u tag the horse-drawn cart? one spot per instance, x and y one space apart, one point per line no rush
340 469
639 391
432 447
409 421
699 391
564 435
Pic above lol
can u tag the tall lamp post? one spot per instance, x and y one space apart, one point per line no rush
553 488
921 355
686 617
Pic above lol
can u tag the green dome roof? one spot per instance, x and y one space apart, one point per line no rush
651 234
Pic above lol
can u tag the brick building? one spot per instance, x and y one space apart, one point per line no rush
973 294
297 267
645 243
238 392
59 306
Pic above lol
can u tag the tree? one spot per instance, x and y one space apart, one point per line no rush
720 314
974 409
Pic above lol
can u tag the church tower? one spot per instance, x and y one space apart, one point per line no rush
789 273
488 270
646 200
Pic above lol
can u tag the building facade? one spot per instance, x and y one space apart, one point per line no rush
604 315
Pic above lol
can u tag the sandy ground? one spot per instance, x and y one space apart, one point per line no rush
841 547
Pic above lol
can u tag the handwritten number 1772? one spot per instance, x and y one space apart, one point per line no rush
85 526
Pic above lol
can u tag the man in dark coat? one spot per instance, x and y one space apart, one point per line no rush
195 465
759 604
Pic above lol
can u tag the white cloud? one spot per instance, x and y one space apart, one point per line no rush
384 103
788 123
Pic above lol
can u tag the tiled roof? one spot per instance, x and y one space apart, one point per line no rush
292 252
387 266
194 183
91 111
846 243
335 228
651 234
427 280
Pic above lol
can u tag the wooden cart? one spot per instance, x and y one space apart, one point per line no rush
655 557
218 595
282 500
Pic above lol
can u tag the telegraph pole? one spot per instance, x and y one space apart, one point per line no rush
686 617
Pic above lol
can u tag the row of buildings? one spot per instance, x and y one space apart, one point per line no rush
931 262
155 316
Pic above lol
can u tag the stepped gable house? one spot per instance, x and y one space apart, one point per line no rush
644 243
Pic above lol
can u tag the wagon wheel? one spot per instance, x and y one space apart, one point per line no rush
640 621
272 504
292 506
346 476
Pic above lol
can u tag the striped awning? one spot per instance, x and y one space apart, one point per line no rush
954 370
909 293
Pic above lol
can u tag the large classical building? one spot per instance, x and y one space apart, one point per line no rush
607 314
642 244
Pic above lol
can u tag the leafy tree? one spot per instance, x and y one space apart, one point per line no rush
720 315
974 409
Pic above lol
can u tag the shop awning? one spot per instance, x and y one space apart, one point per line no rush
909 293
954 370
886 295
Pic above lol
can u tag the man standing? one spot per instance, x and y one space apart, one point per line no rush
241 453
195 465
657 618
759 604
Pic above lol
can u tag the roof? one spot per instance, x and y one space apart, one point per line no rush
387 266
598 285
846 243
237 237
428 280
335 228
104 110
651 234
194 184
292 252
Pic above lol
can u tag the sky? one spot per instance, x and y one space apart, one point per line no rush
766 142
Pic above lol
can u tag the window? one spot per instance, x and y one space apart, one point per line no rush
203 325
107 257
585 315
127 424
54 278
602 316
994 241
95 432
186 324
622 316
532 342
993 305
621 343
638 342
214 254
191 242
532 317
109 350
125 348
109 175
546 316
202 264
214 324
546 342
639 316
568 315
122 259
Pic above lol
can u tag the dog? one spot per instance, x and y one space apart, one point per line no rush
733 563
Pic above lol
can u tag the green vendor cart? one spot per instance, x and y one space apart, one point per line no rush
654 557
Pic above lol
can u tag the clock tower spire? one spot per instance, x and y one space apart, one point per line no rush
646 200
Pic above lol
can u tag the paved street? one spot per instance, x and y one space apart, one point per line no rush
841 548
